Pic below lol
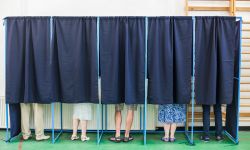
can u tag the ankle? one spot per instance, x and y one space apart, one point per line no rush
117 135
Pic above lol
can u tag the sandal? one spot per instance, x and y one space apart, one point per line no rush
165 139
128 139
85 138
115 139
172 140
74 137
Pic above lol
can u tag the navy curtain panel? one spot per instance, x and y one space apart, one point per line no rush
233 109
15 120
122 59
75 59
214 70
28 68
169 60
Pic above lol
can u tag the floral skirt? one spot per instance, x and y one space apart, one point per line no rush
172 113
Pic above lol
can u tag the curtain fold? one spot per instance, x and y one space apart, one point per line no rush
215 44
75 58
169 60
233 109
122 58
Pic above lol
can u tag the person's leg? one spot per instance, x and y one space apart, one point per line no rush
173 128
206 123
25 120
38 121
118 120
206 118
118 123
218 121
84 130
167 129
75 127
84 127
129 122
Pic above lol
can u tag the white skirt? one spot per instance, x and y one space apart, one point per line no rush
82 111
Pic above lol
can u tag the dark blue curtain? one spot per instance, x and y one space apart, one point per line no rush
233 109
214 72
169 60
122 59
75 59
15 120
28 68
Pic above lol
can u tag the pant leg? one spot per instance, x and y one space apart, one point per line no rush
38 119
218 119
206 118
25 119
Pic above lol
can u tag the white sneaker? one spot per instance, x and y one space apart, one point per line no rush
74 137
42 137
85 138
26 137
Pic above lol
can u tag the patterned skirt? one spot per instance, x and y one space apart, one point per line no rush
172 113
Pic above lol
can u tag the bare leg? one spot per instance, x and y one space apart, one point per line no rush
166 129
129 121
118 122
173 128
84 127
75 126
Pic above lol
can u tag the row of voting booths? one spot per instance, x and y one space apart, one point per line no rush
131 60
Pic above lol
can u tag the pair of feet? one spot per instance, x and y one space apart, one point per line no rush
119 139
38 137
167 139
83 138
206 138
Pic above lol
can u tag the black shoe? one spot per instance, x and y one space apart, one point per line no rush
219 138
205 138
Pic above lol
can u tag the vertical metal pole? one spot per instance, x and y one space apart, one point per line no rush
146 89
99 96
6 105
52 104
61 114
239 73
106 117
193 83
7 122
53 123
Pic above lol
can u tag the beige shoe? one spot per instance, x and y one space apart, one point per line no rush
42 137
26 137
74 137
85 138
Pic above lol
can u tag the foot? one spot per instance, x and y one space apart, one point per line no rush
85 138
42 137
205 138
172 139
74 137
26 137
128 139
219 138
165 139
115 139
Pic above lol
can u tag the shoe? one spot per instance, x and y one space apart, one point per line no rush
26 137
128 139
116 139
85 138
165 139
74 137
219 138
42 137
205 138
172 139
